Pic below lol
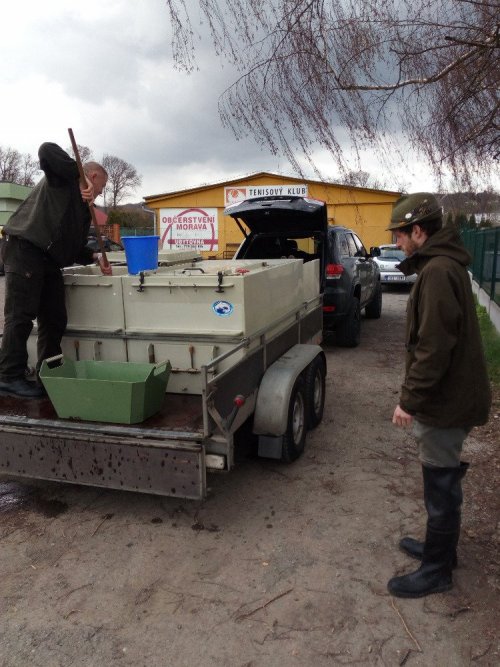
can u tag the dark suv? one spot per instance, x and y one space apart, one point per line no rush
349 278
352 283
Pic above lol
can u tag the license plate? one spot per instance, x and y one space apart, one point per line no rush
395 277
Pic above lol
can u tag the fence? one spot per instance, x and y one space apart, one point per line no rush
132 231
484 246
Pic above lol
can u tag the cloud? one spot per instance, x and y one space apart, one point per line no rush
106 70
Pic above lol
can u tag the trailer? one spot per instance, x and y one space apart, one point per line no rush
243 341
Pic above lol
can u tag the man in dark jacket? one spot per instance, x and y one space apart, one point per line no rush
446 390
48 231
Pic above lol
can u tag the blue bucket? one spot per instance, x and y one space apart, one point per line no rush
141 252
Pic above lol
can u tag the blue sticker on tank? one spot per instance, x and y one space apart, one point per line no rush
222 308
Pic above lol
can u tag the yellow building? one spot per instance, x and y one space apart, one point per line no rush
195 217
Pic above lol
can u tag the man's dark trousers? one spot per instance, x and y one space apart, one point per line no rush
34 290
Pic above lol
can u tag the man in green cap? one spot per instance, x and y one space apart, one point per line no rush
446 390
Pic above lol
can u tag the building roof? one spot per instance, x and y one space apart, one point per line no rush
10 190
252 176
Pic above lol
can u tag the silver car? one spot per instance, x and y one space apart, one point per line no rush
390 257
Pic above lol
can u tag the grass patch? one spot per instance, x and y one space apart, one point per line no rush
491 342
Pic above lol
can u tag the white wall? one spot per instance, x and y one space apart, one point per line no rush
484 300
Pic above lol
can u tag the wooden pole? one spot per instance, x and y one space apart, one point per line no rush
84 183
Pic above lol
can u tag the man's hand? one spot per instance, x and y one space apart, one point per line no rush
106 269
401 418
87 192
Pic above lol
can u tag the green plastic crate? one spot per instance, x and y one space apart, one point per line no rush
105 391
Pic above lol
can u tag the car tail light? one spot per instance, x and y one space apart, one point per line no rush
328 309
334 269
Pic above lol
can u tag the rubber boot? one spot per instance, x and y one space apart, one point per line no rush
415 548
412 547
443 499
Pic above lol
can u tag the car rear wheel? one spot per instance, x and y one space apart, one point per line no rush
374 309
349 329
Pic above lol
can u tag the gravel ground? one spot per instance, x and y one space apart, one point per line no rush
281 565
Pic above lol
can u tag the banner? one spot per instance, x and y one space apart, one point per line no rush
182 228
240 192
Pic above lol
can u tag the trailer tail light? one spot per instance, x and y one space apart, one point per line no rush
334 270
238 402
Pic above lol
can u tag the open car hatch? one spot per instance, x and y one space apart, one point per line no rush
279 227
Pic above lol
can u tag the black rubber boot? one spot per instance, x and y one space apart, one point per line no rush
443 499
415 549
433 576
412 547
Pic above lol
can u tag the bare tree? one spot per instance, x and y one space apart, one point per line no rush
123 179
85 152
16 167
29 169
363 179
122 176
385 72
357 178
9 164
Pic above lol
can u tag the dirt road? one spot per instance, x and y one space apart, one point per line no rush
281 565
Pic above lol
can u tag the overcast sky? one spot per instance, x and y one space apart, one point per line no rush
105 69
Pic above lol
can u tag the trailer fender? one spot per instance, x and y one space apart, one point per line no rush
273 398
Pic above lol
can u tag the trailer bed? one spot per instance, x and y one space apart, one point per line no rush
180 412
163 455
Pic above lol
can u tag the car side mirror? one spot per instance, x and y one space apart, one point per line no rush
375 251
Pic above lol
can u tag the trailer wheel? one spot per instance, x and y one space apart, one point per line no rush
294 439
315 391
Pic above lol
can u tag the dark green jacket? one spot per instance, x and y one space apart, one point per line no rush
54 217
446 382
